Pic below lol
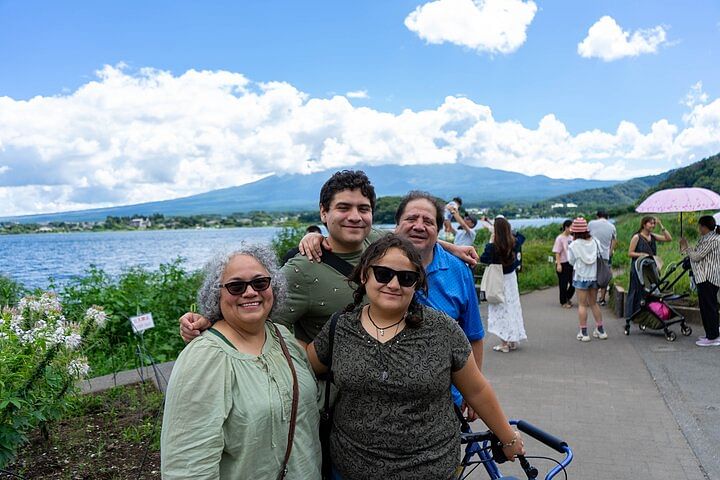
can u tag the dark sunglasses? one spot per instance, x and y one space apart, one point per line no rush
406 278
238 287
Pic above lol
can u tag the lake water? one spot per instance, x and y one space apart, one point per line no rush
33 258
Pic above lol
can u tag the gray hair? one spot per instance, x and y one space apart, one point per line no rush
208 297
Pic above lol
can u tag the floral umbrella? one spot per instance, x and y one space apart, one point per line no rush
673 200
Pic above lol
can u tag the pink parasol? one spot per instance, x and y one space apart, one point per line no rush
680 200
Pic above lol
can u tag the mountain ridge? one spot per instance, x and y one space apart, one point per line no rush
295 192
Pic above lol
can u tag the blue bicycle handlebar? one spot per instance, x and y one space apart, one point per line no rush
541 436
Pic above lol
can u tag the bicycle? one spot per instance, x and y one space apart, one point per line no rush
488 448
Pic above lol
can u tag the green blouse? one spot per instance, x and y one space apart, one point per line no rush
227 413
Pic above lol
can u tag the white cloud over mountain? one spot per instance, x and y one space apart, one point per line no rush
149 135
607 41
491 26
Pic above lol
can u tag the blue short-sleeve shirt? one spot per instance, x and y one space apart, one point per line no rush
451 289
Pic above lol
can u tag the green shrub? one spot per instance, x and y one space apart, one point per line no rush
167 293
40 358
10 291
287 238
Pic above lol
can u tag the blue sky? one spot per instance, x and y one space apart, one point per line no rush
430 85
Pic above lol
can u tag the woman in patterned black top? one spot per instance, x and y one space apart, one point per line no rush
642 244
393 362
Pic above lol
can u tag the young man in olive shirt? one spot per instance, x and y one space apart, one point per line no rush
315 289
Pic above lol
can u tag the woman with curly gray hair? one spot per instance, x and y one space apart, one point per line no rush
233 400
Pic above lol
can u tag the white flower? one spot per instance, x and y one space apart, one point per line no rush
58 336
97 315
79 367
72 340
3 336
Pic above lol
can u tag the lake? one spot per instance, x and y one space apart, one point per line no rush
33 258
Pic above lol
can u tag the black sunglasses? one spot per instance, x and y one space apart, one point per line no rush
238 287
406 278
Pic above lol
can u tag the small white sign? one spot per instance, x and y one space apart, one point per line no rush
142 322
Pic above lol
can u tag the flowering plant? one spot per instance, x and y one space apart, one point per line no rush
40 361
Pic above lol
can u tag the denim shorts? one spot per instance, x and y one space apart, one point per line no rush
584 284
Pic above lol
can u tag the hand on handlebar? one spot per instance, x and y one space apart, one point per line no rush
518 448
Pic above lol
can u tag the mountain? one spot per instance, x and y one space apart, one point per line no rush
625 193
705 174
476 185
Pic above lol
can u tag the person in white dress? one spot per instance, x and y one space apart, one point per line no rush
505 319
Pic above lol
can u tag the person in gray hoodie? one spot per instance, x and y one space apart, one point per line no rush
582 255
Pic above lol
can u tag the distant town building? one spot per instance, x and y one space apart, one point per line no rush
140 223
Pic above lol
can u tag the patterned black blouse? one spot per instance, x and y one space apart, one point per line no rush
394 416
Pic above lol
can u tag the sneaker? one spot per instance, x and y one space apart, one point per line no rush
602 303
708 343
702 338
600 335
583 338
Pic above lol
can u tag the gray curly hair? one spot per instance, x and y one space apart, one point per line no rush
208 297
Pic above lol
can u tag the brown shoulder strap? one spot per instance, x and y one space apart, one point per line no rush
296 394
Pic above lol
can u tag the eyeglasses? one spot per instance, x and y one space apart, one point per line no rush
406 278
238 287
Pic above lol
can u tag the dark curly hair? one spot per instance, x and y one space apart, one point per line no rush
419 195
347 180
373 253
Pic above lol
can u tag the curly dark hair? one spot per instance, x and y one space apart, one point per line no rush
376 251
347 180
418 195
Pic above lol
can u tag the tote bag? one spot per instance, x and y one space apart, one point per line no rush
604 274
493 284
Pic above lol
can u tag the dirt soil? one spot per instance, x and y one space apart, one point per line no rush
106 439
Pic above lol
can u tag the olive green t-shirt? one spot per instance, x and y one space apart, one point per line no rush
316 291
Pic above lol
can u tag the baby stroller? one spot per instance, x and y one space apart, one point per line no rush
654 312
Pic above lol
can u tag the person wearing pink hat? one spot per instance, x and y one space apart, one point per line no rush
582 254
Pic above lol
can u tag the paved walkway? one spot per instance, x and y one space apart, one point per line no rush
628 406
634 407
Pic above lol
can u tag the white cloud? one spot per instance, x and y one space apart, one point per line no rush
606 40
695 96
357 94
131 137
492 26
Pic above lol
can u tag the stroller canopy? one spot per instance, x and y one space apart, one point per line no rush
648 273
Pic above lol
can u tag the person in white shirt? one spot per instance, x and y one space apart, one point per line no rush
582 255
604 232
466 234
447 218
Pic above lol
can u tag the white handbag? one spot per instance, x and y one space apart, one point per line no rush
493 283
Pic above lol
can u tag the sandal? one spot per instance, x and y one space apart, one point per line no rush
501 348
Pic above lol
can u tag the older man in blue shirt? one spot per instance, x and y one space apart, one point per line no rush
451 286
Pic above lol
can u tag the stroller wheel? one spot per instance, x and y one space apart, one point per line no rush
670 336
686 330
